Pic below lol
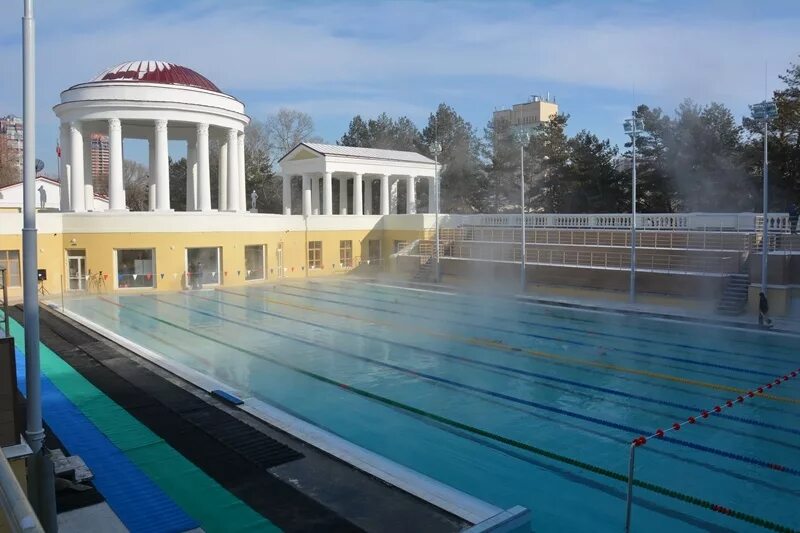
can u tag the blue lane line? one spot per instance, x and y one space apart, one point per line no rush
587 321
558 339
507 368
594 420
134 497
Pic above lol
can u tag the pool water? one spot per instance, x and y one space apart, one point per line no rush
513 402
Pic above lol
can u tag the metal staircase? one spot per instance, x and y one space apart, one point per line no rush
737 286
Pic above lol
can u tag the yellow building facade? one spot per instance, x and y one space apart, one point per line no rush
103 252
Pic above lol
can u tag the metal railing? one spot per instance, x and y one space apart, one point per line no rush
4 283
594 259
15 504
746 222
682 240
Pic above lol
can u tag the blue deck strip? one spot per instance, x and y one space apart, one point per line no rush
135 498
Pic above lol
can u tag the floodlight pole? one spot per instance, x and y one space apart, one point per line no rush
765 229
633 126
764 111
523 137
436 149
30 293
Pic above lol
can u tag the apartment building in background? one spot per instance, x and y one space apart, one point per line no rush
528 115
11 136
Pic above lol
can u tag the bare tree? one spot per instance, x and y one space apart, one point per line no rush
286 128
9 169
135 180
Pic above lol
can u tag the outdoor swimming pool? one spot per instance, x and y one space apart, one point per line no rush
515 403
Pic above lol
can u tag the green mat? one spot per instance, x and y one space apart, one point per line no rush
200 496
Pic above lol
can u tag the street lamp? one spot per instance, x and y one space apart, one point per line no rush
523 138
763 112
633 127
436 150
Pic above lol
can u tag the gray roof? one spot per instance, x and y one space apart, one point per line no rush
369 153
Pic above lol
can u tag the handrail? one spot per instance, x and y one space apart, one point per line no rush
737 222
4 281
18 510
599 259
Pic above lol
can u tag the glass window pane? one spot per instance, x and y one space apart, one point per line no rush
136 268
9 259
314 254
203 266
254 262
346 254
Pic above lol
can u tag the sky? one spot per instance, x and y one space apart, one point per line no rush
335 59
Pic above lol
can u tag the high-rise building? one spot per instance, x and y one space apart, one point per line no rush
527 116
100 157
11 136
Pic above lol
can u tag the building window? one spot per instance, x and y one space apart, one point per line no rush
314 254
399 245
254 262
135 268
346 254
9 260
203 267
374 250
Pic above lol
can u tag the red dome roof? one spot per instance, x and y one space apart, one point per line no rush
157 72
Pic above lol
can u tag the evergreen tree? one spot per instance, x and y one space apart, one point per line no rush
463 180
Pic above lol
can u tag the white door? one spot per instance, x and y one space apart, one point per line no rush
76 266
279 259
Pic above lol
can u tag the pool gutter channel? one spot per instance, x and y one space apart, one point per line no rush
484 516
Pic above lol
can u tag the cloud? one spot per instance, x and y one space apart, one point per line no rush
328 57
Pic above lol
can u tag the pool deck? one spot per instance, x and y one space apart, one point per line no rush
312 492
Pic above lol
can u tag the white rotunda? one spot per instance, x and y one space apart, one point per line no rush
158 102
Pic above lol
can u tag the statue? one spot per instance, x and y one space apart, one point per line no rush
42 196
253 198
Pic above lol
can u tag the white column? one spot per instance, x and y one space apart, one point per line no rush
315 195
342 196
116 190
162 165
393 195
65 168
368 196
191 175
242 174
411 195
385 194
287 195
306 195
357 195
233 170
203 173
432 194
88 173
327 192
78 200
222 178
151 169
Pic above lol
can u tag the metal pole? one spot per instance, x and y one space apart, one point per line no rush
4 279
629 502
41 481
438 190
765 229
34 431
633 219
524 258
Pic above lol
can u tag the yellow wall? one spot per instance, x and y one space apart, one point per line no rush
170 253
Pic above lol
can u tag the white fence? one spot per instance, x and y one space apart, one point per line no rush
747 222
